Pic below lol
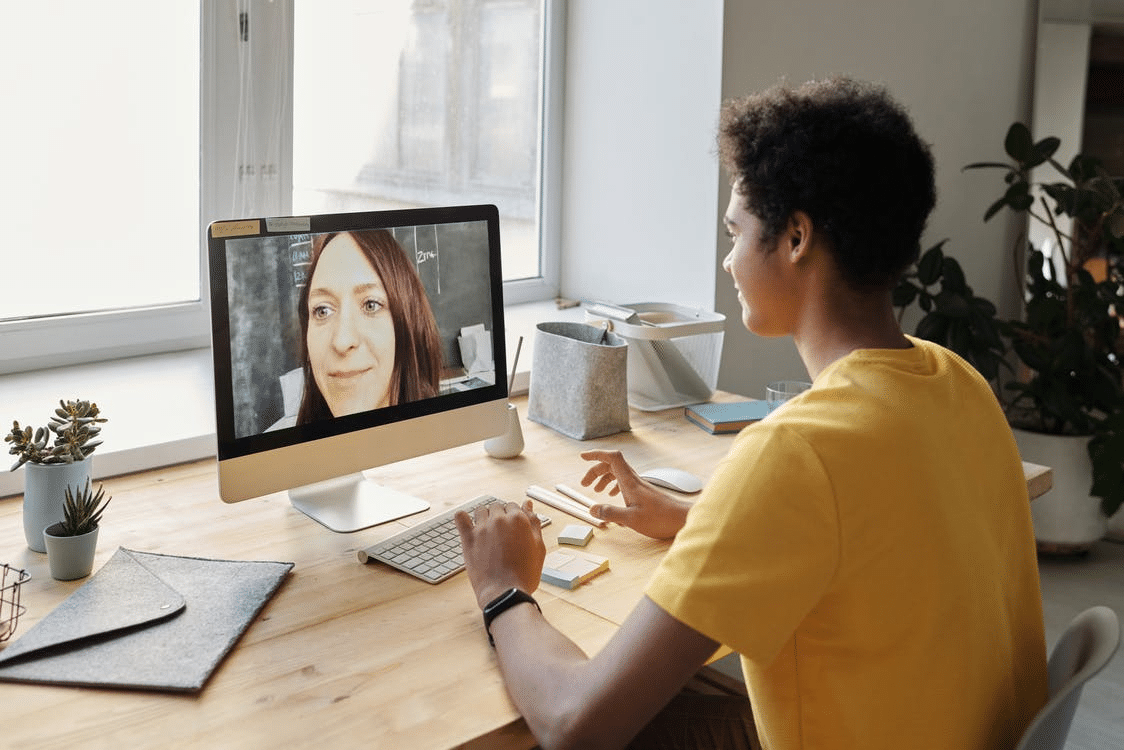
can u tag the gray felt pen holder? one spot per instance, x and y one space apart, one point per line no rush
579 385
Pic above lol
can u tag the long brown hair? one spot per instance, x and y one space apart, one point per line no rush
417 344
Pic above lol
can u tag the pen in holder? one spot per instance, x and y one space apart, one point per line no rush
510 443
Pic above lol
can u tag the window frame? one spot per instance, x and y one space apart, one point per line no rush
35 344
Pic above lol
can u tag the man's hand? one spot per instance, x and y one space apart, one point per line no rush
503 547
647 510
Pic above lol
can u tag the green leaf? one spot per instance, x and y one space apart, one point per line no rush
987 363
1043 150
1083 167
987 165
929 266
951 304
1018 196
960 338
933 327
995 208
1018 143
904 294
984 306
954 276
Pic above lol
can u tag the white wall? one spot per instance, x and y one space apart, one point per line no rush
643 89
1062 65
962 67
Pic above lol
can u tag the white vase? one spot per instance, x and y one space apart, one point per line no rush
44 494
1067 519
70 557
510 443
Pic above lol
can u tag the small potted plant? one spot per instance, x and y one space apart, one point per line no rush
71 542
56 457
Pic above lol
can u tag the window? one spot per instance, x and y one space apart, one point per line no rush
421 102
100 175
295 106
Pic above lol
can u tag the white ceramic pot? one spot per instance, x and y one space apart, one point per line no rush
510 443
70 557
44 494
1067 519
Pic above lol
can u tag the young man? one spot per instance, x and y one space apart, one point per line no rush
867 549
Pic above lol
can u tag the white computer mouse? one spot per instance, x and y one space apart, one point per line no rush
673 479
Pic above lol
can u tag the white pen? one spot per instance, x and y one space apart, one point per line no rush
572 493
563 504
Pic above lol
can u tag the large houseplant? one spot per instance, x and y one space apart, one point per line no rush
56 457
1068 343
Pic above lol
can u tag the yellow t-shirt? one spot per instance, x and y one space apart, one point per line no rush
868 550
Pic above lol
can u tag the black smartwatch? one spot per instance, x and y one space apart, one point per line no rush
501 604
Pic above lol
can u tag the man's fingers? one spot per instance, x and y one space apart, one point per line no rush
464 526
600 476
611 513
597 471
529 509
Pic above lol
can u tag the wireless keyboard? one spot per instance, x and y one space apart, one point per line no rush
431 550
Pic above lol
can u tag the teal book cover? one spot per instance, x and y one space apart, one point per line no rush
721 418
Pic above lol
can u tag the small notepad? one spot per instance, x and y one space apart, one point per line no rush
576 535
570 568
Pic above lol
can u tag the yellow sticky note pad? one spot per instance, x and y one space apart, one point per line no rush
571 568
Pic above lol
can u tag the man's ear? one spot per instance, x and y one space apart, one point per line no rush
799 235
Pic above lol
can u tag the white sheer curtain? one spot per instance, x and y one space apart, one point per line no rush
258 169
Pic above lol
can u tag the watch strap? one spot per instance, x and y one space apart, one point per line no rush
501 604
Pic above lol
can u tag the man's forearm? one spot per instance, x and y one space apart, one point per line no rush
570 700
540 667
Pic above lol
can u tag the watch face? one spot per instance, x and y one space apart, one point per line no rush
507 599
502 603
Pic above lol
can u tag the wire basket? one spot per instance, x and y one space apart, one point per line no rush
10 608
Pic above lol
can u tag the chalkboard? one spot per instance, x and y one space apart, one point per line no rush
264 275
452 263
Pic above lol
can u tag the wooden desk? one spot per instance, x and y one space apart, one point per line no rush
345 654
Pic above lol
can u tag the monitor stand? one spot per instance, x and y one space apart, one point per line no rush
353 502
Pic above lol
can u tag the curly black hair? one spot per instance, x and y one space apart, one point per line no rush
843 152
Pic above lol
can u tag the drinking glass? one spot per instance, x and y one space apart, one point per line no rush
779 391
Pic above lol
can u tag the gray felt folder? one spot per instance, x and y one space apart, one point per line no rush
146 621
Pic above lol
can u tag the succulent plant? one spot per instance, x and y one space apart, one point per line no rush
74 427
82 511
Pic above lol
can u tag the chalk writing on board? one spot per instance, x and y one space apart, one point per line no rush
301 254
425 253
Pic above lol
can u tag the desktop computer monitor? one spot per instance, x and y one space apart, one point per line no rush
343 342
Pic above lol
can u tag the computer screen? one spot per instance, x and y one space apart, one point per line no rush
344 342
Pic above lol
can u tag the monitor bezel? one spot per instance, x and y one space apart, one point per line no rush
481 410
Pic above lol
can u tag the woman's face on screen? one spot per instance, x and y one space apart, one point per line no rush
350 332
